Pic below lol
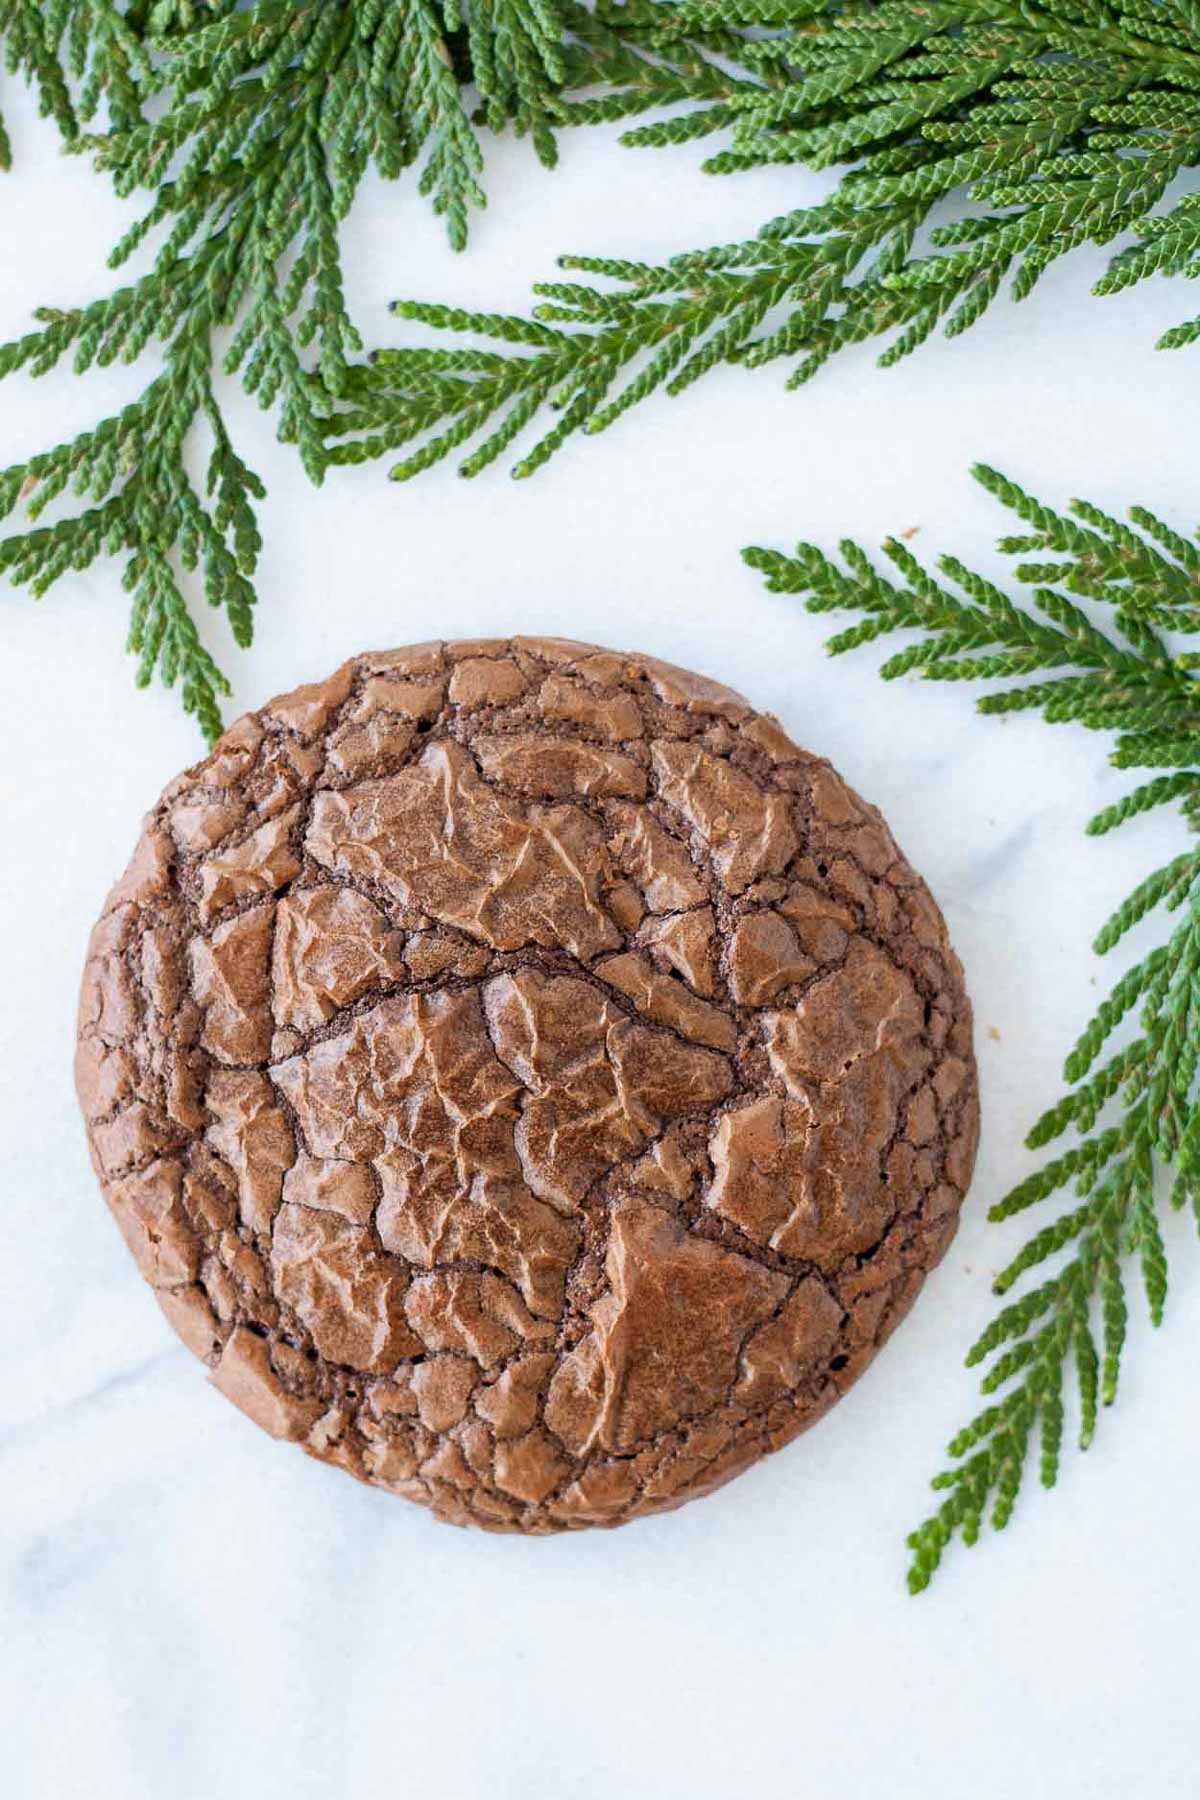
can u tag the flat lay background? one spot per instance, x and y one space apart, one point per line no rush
193 1610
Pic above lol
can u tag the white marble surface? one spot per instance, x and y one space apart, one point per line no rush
191 1609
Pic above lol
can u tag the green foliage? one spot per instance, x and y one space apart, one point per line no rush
1052 125
132 469
1108 666
250 130
250 127
76 53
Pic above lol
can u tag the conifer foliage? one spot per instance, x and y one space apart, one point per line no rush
250 130
1050 123
75 53
1093 649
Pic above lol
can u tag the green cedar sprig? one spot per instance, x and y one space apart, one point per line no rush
76 54
1106 664
250 129
1059 123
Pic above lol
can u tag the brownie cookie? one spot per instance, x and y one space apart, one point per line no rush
525 1078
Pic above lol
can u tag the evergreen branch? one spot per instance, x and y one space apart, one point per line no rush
1060 124
250 128
265 119
142 505
1137 1114
75 54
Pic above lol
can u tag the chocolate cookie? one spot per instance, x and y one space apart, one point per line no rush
525 1078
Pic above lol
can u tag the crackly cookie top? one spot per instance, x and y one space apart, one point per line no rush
526 1078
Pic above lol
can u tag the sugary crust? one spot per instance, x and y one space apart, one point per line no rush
526 1078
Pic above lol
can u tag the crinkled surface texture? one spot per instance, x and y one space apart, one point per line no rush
526 1079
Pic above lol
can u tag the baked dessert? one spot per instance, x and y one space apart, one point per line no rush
526 1078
